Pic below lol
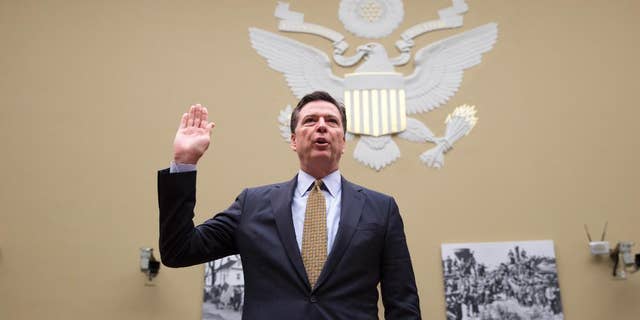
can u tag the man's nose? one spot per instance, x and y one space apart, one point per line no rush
321 125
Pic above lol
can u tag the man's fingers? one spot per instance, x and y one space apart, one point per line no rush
197 119
205 118
210 126
192 114
183 120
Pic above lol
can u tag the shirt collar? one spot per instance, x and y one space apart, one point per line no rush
333 182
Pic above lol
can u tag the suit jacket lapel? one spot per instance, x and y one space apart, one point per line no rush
281 198
352 205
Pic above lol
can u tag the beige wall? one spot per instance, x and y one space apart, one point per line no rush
91 93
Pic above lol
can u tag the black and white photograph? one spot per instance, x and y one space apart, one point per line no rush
223 289
501 280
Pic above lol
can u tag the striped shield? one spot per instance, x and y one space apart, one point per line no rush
375 103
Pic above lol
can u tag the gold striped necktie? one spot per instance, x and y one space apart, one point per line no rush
314 235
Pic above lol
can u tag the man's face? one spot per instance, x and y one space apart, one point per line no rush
318 138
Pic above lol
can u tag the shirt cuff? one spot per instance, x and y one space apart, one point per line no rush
181 167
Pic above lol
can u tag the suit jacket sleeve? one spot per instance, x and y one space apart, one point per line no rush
398 284
181 243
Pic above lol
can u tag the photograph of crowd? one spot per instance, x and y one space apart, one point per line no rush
501 280
223 289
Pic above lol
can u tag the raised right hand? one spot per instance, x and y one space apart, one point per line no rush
193 136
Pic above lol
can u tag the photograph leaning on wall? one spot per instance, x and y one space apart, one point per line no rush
501 280
223 295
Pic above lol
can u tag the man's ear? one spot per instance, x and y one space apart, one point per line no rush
292 144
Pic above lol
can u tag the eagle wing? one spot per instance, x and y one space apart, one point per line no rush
305 68
439 67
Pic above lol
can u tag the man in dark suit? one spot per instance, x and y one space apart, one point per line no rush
362 244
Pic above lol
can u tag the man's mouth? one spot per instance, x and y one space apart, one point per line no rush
321 142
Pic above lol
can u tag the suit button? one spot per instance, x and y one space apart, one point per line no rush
313 299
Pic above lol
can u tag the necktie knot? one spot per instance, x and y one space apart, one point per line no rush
318 185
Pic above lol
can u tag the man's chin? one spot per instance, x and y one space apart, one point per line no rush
322 157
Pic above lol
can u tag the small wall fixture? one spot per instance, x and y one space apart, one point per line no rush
148 264
624 261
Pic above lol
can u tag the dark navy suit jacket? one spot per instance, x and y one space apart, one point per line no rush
369 249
